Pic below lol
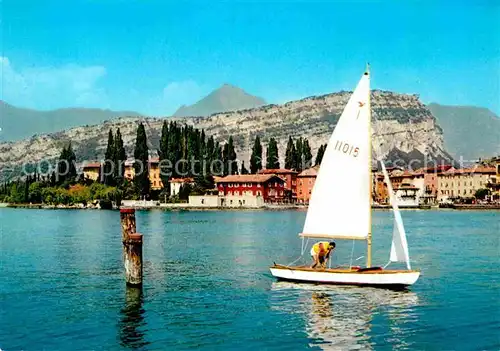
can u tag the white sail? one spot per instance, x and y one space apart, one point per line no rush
340 200
399 246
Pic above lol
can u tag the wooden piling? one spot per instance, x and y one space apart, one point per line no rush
132 247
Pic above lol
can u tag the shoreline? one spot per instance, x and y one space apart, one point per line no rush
272 207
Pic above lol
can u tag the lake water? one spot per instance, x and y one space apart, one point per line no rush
207 284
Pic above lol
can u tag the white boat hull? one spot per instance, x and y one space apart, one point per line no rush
382 278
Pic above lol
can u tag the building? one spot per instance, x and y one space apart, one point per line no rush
153 171
92 170
305 184
463 183
129 171
380 190
154 174
289 177
176 183
494 182
268 186
407 195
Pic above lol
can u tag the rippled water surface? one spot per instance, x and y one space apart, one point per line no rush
207 284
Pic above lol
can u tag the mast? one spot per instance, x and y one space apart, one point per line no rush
369 237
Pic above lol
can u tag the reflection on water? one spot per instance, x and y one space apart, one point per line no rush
342 317
132 321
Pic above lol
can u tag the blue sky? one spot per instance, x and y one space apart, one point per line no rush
152 56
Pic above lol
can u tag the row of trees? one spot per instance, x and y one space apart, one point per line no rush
184 151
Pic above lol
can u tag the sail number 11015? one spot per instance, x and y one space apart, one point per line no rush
346 148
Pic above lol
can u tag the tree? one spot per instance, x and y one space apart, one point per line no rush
306 154
319 155
141 164
299 160
66 170
164 153
229 156
120 156
109 159
243 169
272 155
290 155
481 193
256 158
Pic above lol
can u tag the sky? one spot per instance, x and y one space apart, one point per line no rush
152 56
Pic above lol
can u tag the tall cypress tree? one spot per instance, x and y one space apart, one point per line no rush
272 155
256 158
307 154
61 173
231 157
120 156
164 154
290 155
243 169
109 159
72 163
299 159
141 165
319 155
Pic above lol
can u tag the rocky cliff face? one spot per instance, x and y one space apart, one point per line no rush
402 126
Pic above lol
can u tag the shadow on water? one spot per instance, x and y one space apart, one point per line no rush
132 324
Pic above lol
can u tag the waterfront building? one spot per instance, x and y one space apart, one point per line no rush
494 182
463 183
92 171
176 183
289 177
268 186
230 201
380 190
305 184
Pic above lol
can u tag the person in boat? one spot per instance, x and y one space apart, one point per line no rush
320 253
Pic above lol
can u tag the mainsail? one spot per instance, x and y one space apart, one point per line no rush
340 200
399 246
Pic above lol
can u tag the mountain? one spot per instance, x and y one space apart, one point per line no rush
469 132
226 98
404 126
19 123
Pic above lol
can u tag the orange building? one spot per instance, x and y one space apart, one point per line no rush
288 176
380 190
305 184
154 174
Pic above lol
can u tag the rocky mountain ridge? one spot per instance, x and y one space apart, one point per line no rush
401 122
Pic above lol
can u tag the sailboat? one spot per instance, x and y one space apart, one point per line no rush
340 204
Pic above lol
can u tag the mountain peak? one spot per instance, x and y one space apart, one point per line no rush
226 98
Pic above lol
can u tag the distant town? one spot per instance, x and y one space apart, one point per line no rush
194 171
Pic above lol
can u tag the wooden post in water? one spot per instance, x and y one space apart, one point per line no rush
132 247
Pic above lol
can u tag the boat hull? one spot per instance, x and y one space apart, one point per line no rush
346 276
